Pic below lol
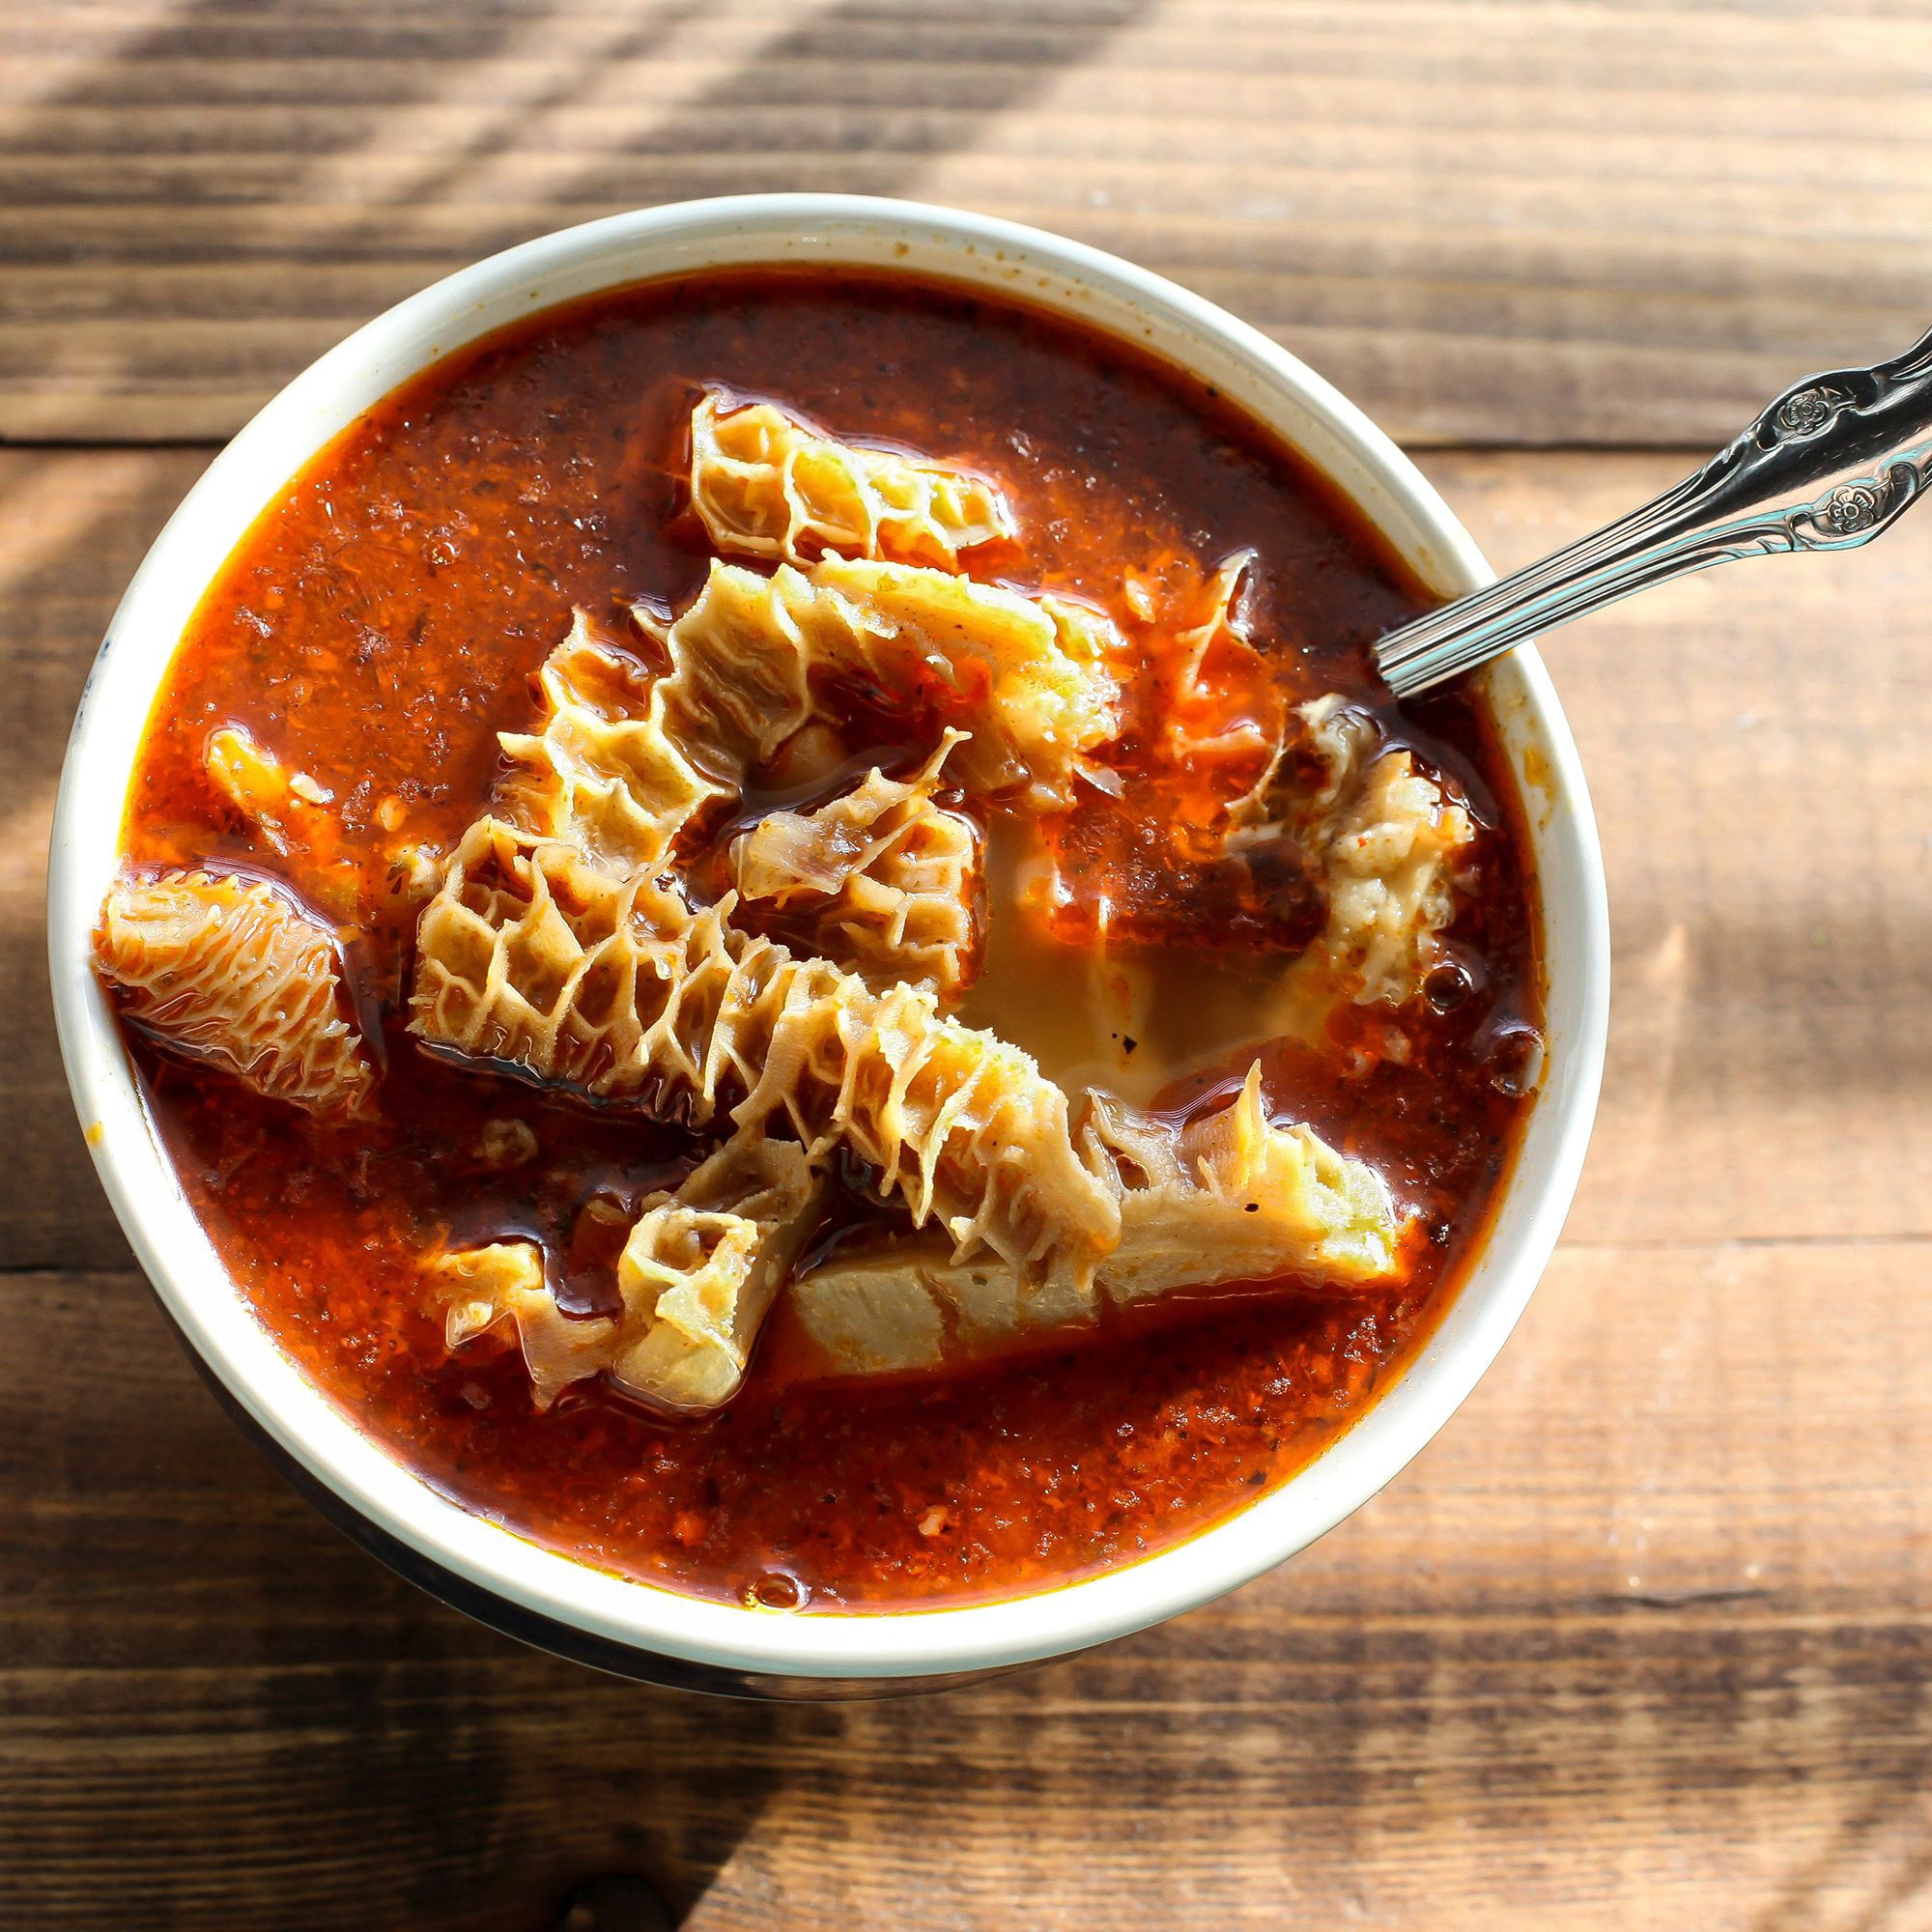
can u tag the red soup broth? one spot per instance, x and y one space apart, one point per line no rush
380 623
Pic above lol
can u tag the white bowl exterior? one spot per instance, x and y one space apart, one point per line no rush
1063 276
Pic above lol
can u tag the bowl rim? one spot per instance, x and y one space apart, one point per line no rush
202 1301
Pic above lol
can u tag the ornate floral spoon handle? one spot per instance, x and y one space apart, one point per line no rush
1830 464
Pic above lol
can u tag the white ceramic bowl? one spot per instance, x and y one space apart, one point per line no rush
635 1627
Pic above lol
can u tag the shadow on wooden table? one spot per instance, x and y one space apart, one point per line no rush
369 152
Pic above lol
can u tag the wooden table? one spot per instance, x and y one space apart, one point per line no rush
1645 1639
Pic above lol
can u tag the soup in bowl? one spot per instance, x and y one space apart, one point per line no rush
759 967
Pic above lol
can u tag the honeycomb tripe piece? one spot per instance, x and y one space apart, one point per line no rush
233 972
1034 679
555 895
883 879
1231 1197
621 761
555 899
1235 1197
702 1268
478 1288
766 483
614 988
697 1278
559 968
961 1125
912 1305
601 774
1388 837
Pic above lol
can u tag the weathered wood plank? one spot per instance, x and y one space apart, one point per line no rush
1754 739
72 527
1645 1639
1599 222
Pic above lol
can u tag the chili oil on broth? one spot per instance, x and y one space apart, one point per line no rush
381 623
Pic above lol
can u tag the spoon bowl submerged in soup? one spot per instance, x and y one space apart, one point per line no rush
775 922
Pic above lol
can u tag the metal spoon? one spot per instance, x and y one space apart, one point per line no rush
1829 465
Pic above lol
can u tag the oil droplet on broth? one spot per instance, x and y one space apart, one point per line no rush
778 1590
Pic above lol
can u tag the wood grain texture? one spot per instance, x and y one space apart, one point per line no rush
72 529
1610 221
1644 1640
1755 739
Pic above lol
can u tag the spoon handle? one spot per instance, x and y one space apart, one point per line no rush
1829 465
